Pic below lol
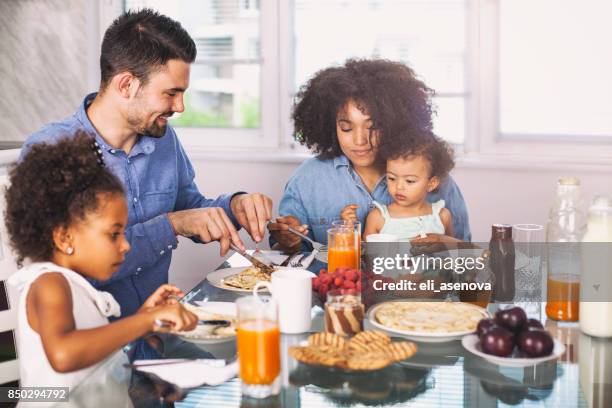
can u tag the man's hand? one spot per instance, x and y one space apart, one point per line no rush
286 239
349 213
208 224
252 212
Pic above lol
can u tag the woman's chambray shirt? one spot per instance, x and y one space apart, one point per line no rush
320 188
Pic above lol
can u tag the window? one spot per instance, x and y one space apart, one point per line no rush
544 79
509 76
430 36
224 87
556 81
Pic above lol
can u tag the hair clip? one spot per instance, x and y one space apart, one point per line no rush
98 152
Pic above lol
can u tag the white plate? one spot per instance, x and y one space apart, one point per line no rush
472 344
423 336
216 279
223 308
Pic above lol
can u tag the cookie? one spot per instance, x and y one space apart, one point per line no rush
321 355
372 360
369 340
327 339
400 350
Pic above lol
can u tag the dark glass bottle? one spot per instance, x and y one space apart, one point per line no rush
502 262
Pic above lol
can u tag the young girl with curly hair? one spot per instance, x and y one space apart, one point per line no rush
66 214
354 117
411 175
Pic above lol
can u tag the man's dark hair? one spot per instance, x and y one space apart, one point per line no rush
390 92
140 42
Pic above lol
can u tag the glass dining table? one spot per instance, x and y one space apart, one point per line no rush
439 375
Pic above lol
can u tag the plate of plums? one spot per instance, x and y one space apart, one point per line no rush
511 339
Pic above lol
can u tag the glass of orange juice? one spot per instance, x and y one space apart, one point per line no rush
356 225
342 248
258 346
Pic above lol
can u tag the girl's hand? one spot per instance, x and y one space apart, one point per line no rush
349 213
175 315
287 239
164 295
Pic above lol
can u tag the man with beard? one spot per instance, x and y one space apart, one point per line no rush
144 63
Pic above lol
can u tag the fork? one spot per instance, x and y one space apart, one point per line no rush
315 245
298 263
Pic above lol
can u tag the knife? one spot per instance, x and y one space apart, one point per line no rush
216 322
265 268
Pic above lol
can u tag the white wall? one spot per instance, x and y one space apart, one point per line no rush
493 195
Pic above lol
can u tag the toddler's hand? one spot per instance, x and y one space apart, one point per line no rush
164 295
349 213
175 316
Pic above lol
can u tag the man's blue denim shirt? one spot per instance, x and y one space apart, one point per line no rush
158 178
320 188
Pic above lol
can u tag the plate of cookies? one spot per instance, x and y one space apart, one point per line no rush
368 350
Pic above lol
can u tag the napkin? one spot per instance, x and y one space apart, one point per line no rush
238 261
191 373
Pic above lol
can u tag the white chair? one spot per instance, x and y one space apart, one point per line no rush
9 370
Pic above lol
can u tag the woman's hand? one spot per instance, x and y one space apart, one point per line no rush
349 213
287 239
435 238
164 295
174 315
437 243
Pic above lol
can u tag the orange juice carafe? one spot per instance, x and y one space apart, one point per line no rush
564 232
342 249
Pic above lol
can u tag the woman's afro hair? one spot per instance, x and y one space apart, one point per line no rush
398 103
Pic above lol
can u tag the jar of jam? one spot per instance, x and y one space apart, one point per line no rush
343 313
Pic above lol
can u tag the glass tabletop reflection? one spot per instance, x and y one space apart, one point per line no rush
439 375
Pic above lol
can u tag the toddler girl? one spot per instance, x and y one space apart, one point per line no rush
66 214
410 176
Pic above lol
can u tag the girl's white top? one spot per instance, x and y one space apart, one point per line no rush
411 227
90 308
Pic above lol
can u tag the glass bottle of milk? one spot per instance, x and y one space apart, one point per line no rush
596 281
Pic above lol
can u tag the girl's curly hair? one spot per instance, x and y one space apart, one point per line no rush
436 151
398 103
54 185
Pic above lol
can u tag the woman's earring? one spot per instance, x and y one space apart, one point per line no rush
70 250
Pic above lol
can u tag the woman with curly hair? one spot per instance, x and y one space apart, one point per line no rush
354 117
66 215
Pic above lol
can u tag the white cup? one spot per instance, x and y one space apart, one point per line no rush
383 246
291 288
